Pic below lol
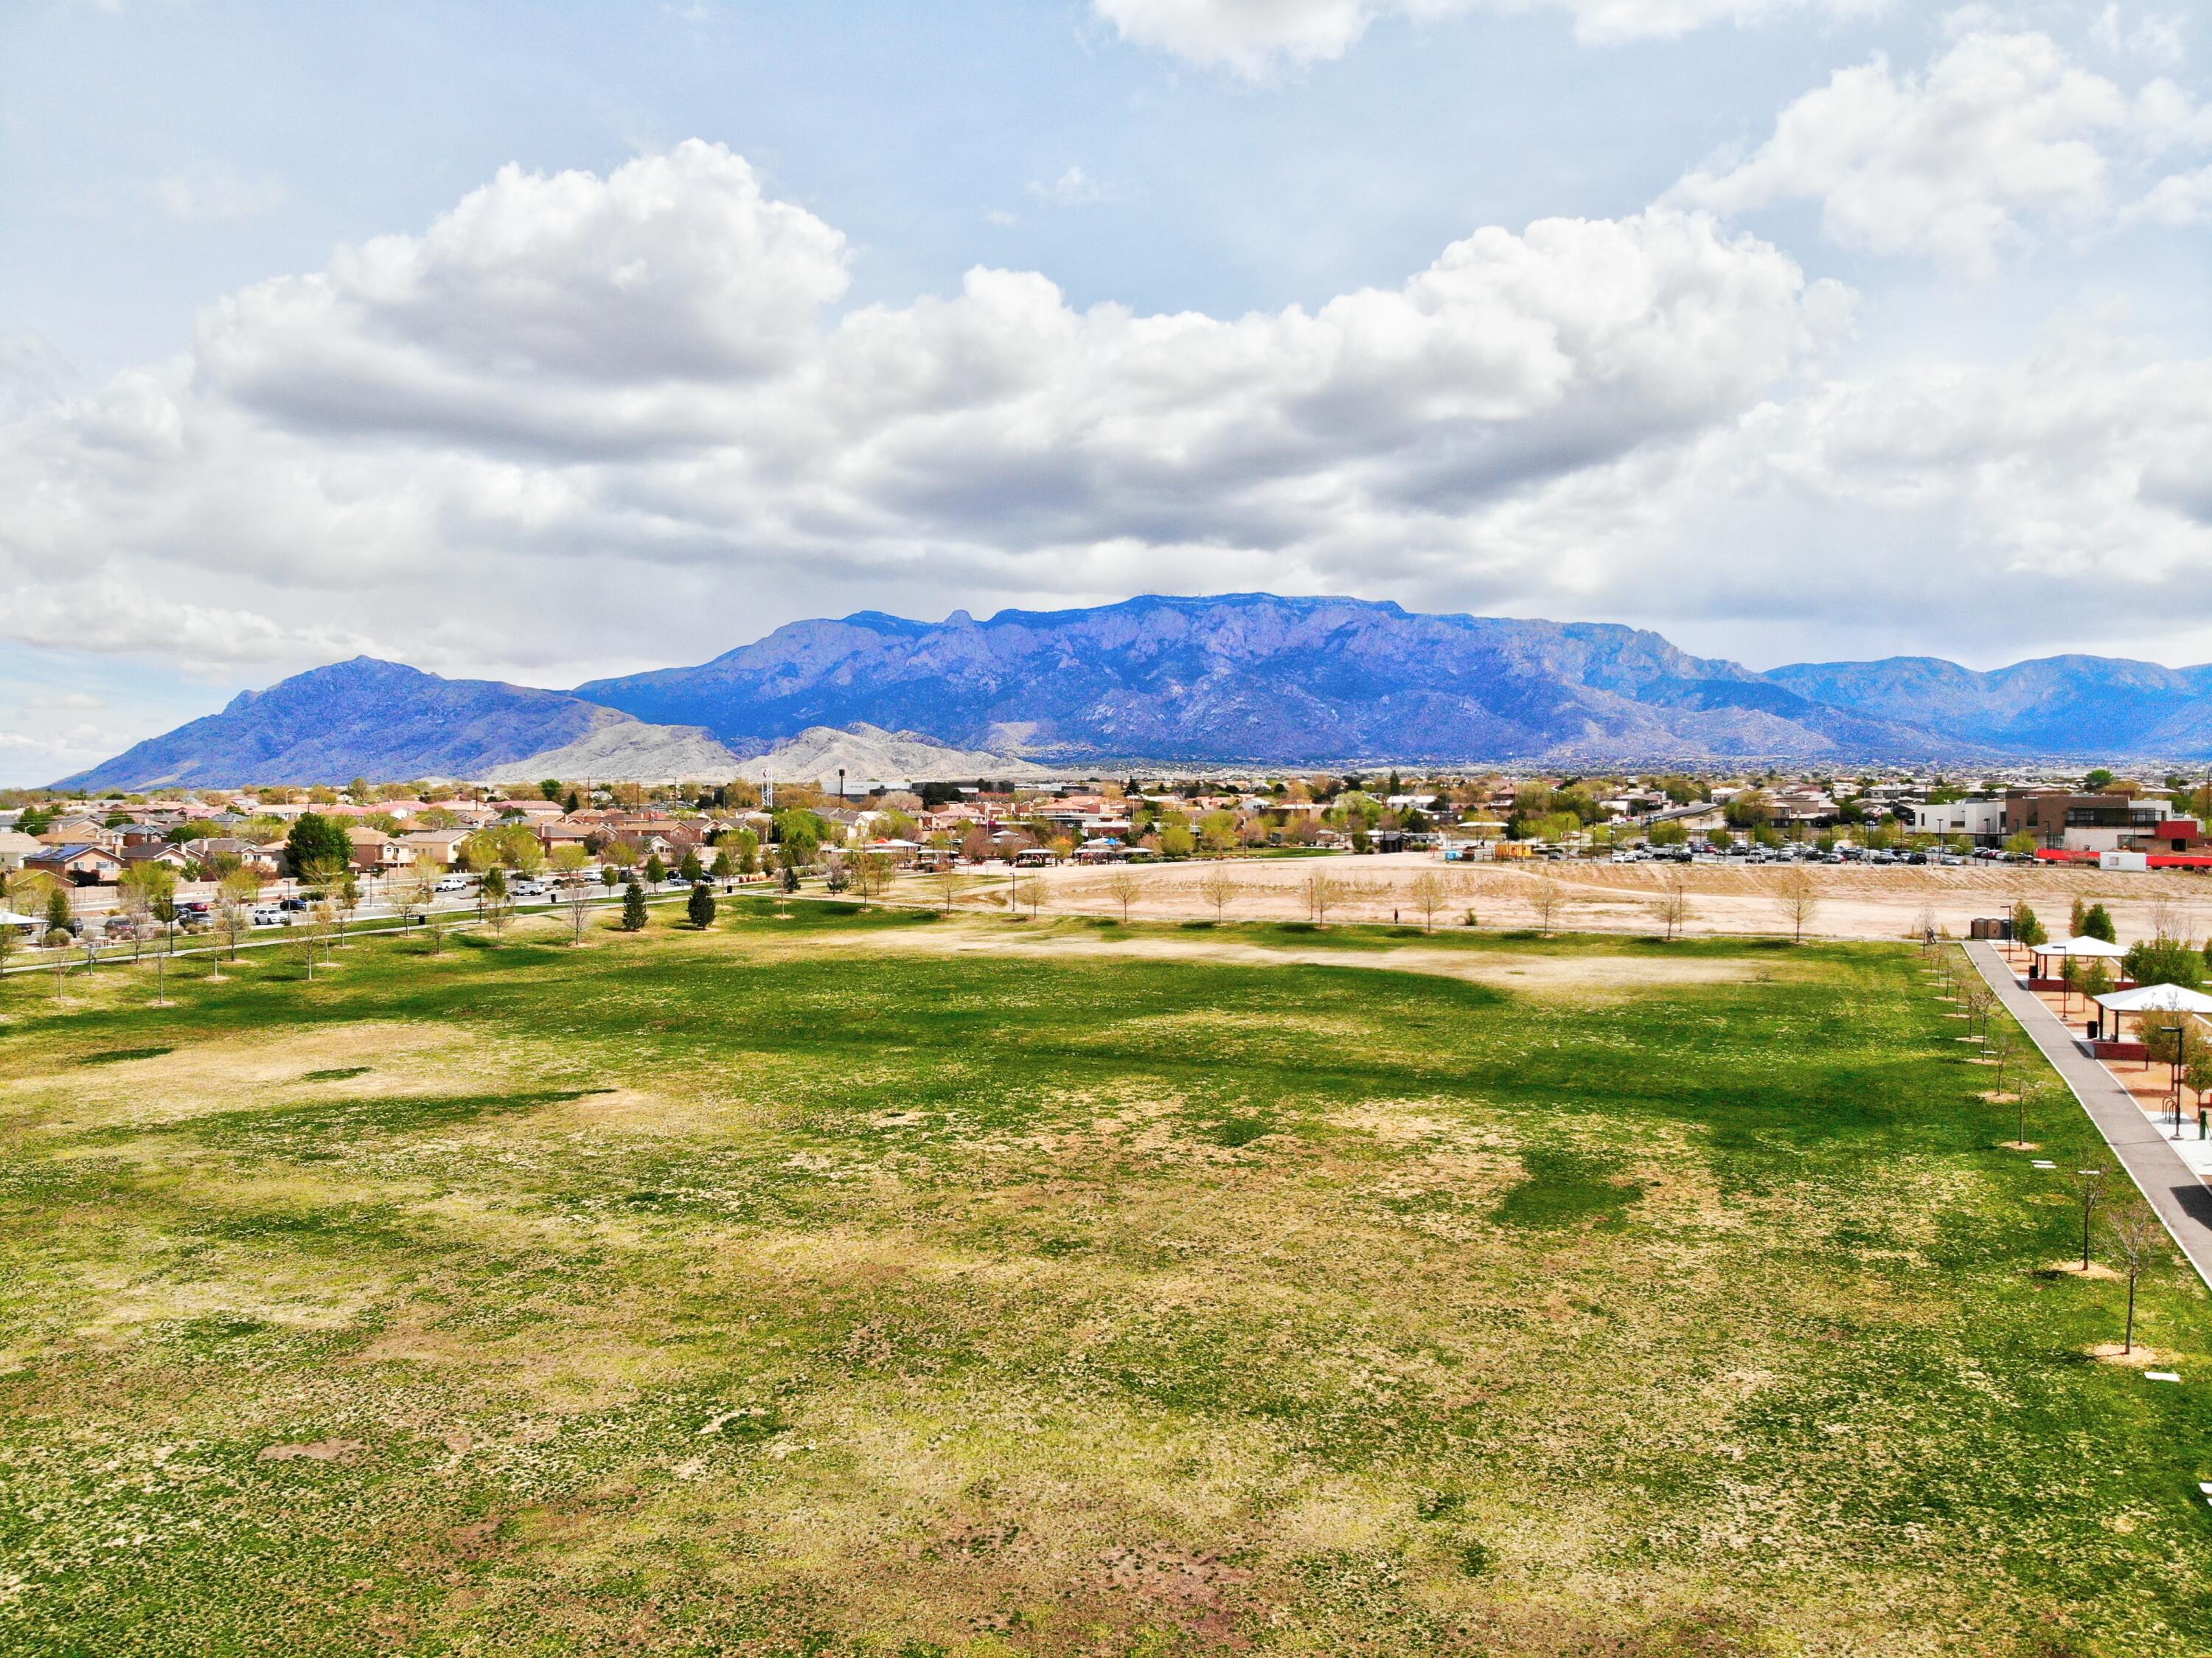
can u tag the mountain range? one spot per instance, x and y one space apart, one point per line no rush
1244 677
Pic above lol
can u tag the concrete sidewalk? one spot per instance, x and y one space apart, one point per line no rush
2182 1200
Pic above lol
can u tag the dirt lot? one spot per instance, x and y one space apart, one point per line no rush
1851 902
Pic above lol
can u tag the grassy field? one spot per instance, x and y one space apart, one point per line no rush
833 1283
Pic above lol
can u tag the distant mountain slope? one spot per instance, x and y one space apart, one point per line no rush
620 749
2057 705
362 718
868 753
1241 678
1255 677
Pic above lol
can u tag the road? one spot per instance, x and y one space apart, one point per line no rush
2182 1200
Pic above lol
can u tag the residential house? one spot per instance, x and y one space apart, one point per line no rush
80 864
439 846
14 847
161 851
377 853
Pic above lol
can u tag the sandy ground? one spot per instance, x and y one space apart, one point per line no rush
1852 902
1583 974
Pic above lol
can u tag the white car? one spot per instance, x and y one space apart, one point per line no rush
267 915
453 884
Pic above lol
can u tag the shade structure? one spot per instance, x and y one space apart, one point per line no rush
2156 998
2083 947
9 918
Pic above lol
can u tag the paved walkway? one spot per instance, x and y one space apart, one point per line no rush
2182 1200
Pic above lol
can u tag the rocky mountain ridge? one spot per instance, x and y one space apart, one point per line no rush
1246 679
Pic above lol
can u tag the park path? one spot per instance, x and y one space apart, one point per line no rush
2182 1200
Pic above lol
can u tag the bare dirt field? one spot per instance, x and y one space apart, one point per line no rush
1851 902
1585 975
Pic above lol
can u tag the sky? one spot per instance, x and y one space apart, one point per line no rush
541 342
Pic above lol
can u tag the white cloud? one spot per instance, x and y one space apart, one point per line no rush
2161 37
1074 188
2002 135
618 415
2181 200
1252 37
479 448
213 194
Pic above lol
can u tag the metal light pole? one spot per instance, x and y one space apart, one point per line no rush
2180 1035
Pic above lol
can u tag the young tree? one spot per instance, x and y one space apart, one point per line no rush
1322 893
492 906
699 907
1430 893
2000 1048
2089 1184
655 871
133 905
2098 924
1029 890
2163 959
568 861
234 898
59 913
2026 930
690 870
1175 841
2135 1230
724 867
945 876
1545 898
1218 888
1124 887
2094 980
2075 920
748 844
633 913
1673 904
1799 898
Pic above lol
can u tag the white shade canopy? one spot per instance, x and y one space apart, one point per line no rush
2082 947
9 918
2156 998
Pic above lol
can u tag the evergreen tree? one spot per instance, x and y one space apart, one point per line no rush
701 909
790 879
58 911
690 869
655 870
316 841
634 917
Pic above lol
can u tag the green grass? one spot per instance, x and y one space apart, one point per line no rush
801 1287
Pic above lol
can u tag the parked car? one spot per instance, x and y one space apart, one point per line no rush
269 915
452 884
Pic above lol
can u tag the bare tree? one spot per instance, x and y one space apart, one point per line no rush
1978 999
1123 886
236 892
945 876
1673 904
2135 1230
1800 896
2000 1046
1029 890
1218 887
575 900
2089 1184
1322 893
1546 898
1430 893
